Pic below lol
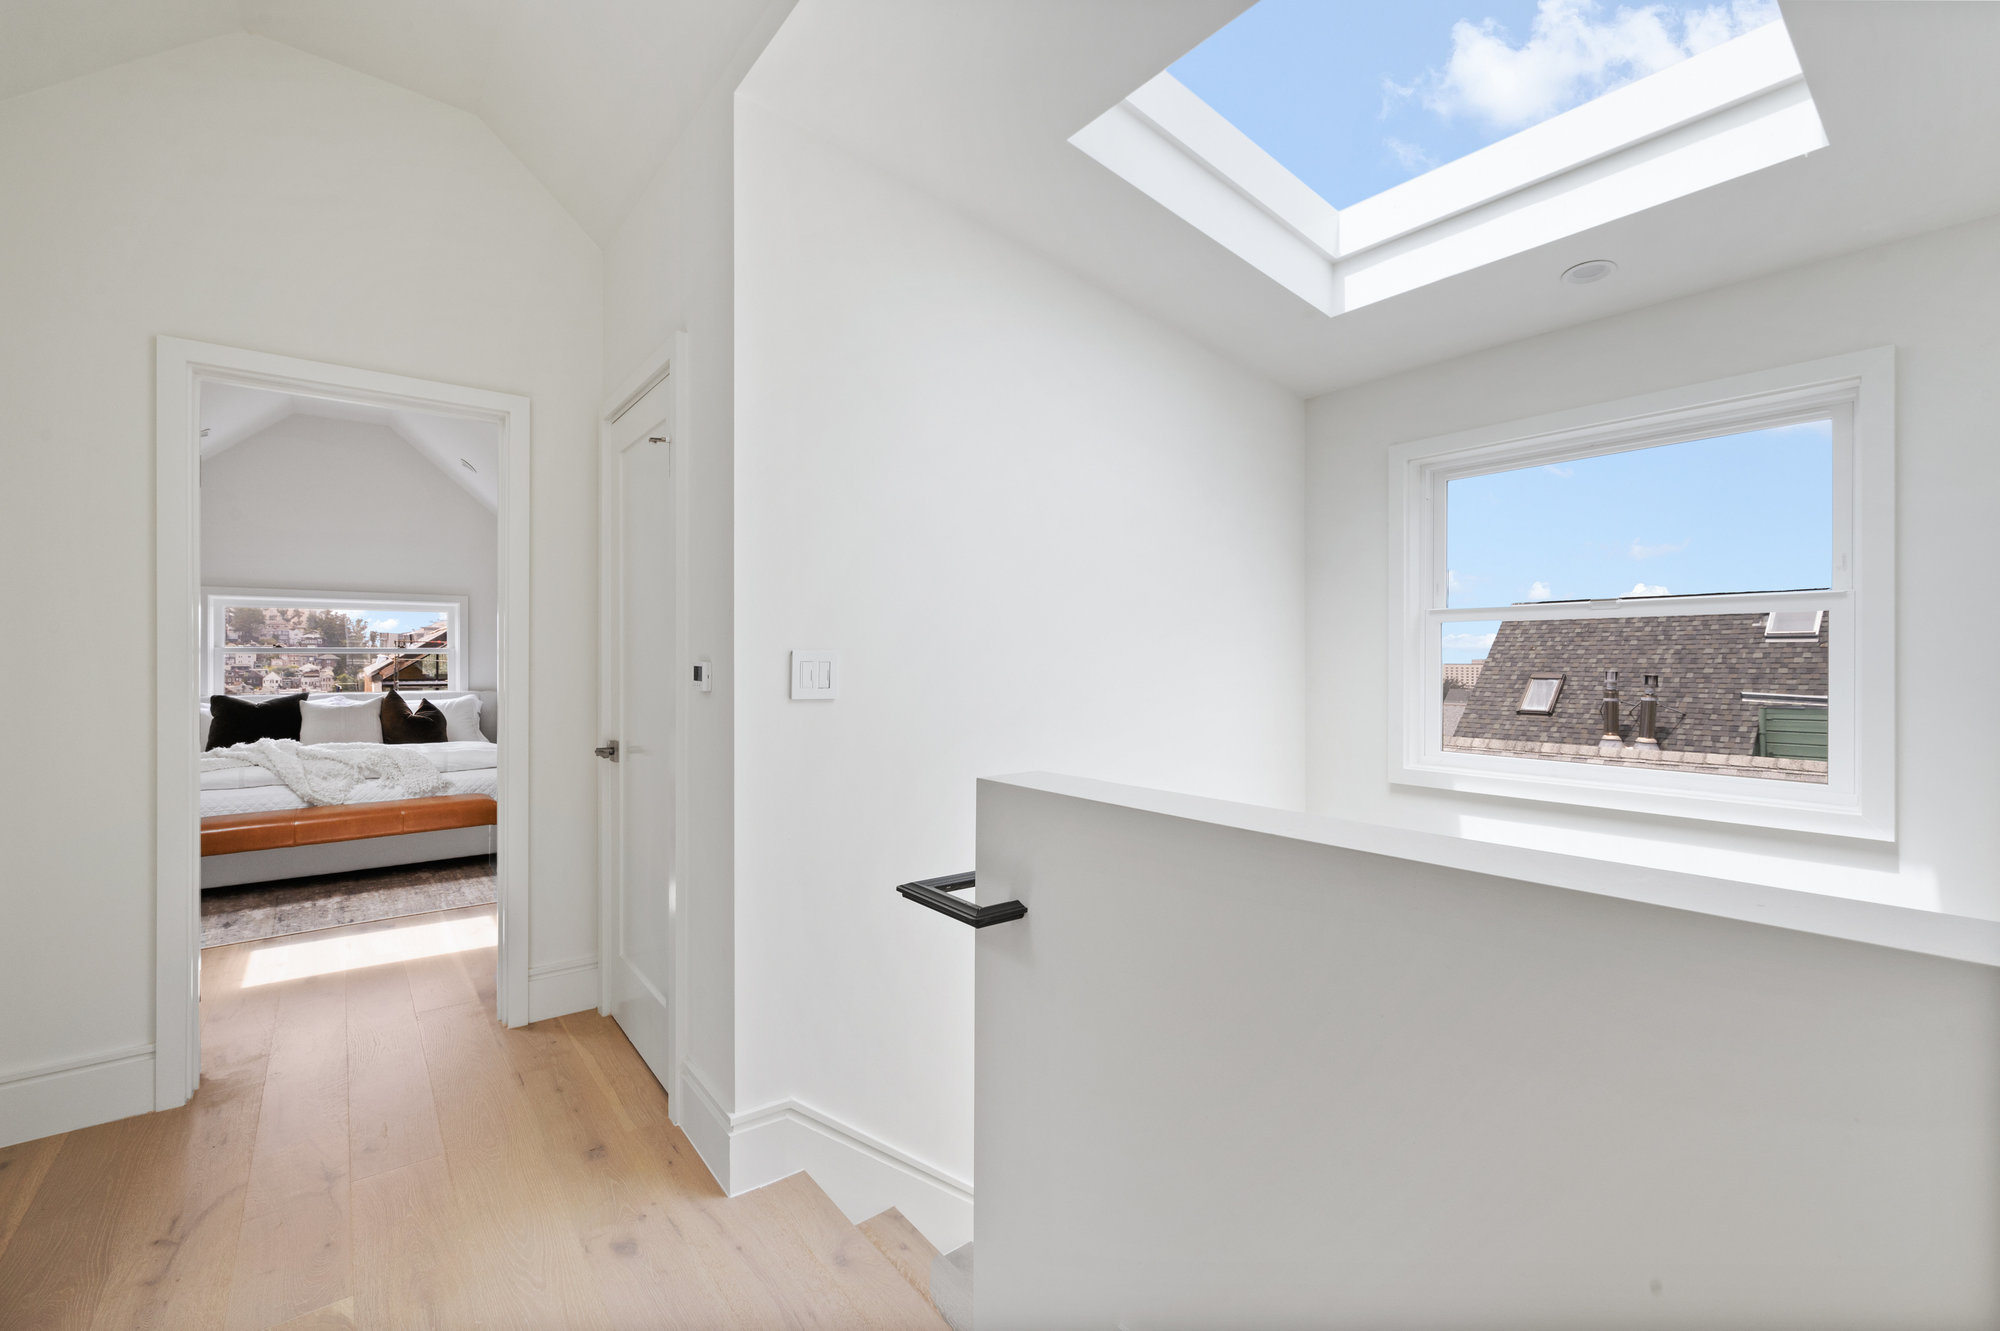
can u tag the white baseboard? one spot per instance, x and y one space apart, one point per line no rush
863 1176
698 1113
61 1097
562 987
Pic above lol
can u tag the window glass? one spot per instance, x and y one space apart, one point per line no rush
1692 693
329 647
1748 512
329 626
1356 98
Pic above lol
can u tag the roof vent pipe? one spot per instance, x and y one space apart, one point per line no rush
1648 743
1611 741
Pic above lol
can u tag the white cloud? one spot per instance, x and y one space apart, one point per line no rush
1538 591
1646 589
1559 471
1409 156
1468 642
1451 581
1640 551
1574 53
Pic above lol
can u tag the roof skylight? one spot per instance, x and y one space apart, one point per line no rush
1352 152
1355 98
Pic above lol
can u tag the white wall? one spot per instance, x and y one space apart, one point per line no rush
1338 1086
348 505
1932 298
239 192
1042 531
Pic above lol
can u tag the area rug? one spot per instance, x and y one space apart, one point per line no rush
300 905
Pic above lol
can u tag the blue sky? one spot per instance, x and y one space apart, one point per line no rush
1354 96
393 621
1745 512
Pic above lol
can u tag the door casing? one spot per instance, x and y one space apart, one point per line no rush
182 366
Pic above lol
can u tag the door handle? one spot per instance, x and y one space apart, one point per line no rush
609 750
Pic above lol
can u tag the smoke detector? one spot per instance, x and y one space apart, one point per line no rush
1590 270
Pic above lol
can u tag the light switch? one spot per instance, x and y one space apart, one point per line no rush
815 674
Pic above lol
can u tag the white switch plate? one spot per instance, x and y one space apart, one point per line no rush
815 674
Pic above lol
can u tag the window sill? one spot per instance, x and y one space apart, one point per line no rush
1785 805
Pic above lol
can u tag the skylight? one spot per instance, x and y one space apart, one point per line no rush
1352 152
1355 98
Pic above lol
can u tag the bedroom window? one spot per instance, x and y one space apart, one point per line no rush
1679 604
260 641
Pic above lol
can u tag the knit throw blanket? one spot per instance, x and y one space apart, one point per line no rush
330 773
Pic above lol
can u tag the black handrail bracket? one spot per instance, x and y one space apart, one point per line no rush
936 893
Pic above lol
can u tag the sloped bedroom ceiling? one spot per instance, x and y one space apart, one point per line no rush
589 94
466 451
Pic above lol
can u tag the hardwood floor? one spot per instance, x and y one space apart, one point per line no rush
369 1148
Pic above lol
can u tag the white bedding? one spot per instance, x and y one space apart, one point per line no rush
469 768
269 798
454 756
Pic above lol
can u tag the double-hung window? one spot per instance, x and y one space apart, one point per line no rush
262 642
1682 604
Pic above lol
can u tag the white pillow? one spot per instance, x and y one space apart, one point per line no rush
341 718
461 713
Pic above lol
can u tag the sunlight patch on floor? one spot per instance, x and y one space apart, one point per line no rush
276 962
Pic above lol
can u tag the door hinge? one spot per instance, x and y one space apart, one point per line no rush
607 750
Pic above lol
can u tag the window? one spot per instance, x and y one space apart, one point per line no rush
1793 623
1355 99
1539 698
1355 152
1681 604
331 642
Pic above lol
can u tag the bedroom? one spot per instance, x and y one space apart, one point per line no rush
350 579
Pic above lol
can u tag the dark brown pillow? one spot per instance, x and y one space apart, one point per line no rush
400 725
246 720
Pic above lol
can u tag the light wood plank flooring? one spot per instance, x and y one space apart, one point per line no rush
369 1148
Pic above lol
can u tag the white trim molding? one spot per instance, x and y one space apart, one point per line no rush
562 987
1856 392
182 366
862 1174
75 1093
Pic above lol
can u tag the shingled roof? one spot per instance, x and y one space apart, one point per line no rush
1705 663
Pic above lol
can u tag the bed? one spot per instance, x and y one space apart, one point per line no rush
254 828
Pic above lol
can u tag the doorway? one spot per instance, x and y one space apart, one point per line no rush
341 652
646 692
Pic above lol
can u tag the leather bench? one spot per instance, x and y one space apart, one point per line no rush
228 833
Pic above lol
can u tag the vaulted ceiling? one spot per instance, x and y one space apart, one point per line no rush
466 451
589 94
974 101
1906 92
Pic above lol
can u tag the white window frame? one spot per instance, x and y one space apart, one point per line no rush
1857 391
215 599
1734 109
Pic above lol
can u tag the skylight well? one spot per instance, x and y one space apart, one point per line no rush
1329 144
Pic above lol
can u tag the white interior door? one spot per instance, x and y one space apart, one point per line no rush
645 691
